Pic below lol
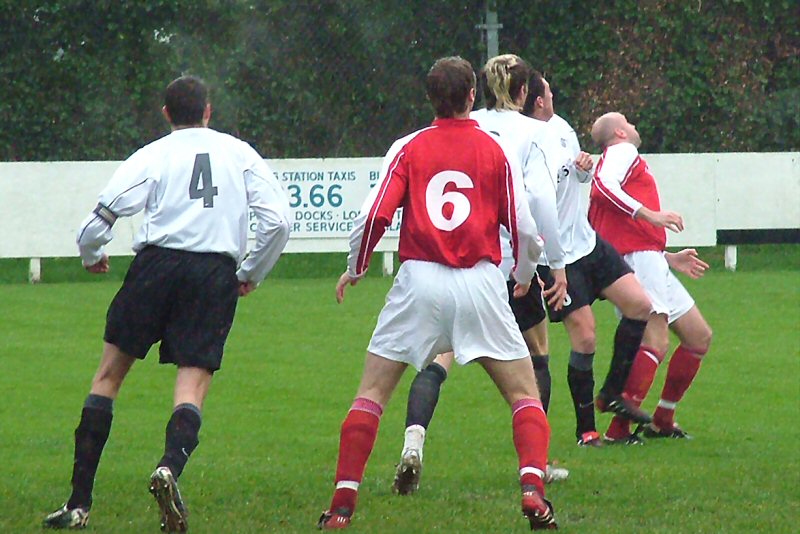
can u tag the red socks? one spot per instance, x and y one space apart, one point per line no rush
357 438
683 367
638 384
532 440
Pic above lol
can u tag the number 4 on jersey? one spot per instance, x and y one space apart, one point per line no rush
202 169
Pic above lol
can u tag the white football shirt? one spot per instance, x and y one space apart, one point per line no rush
575 233
527 138
195 186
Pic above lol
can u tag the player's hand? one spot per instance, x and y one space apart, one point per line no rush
556 294
100 267
687 262
245 288
663 219
344 280
520 290
584 162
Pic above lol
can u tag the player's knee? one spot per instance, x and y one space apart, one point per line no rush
106 382
586 343
702 341
640 309
656 339
537 347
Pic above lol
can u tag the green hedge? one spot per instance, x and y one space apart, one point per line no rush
83 79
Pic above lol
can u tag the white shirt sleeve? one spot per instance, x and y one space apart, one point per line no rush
528 240
541 195
125 195
270 204
609 178
354 269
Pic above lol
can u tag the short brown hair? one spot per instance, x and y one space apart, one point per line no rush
448 85
185 99
535 90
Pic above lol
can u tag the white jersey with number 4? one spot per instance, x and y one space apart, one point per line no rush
195 186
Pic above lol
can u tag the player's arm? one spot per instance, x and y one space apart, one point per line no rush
525 241
541 195
608 179
270 205
125 195
541 191
375 216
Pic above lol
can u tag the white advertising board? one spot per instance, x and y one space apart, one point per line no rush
42 204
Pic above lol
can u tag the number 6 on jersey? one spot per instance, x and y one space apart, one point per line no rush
436 198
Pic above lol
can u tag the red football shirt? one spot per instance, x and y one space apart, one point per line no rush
456 185
622 184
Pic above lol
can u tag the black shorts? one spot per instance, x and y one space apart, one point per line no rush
587 278
186 300
528 310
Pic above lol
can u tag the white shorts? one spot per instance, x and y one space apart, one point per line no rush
432 308
666 292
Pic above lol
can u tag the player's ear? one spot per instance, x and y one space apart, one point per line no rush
619 132
207 114
166 114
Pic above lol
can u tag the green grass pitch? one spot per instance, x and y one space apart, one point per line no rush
270 430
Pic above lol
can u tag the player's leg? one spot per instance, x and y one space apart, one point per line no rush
133 323
194 341
409 330
580 326
91 436
484 329
529 312
422 400
649 356
632 301
538 346
695 336
358 433
516 382
182 438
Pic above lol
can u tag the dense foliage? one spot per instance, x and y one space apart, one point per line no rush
83 80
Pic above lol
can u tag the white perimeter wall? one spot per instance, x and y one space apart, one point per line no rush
42 204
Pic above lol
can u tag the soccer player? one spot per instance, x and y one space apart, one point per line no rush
594 270
626 209
504 80
457 185
195 186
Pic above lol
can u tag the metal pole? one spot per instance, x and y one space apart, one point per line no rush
491 27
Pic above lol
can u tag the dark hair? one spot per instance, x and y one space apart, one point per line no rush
503 77
535 90
448 85
185 99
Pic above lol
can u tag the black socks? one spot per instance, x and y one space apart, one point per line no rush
424 395
90 438
626 344
580 377
541 369
181 437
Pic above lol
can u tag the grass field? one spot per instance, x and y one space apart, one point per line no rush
270 432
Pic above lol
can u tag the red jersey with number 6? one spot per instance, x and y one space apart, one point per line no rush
456 185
